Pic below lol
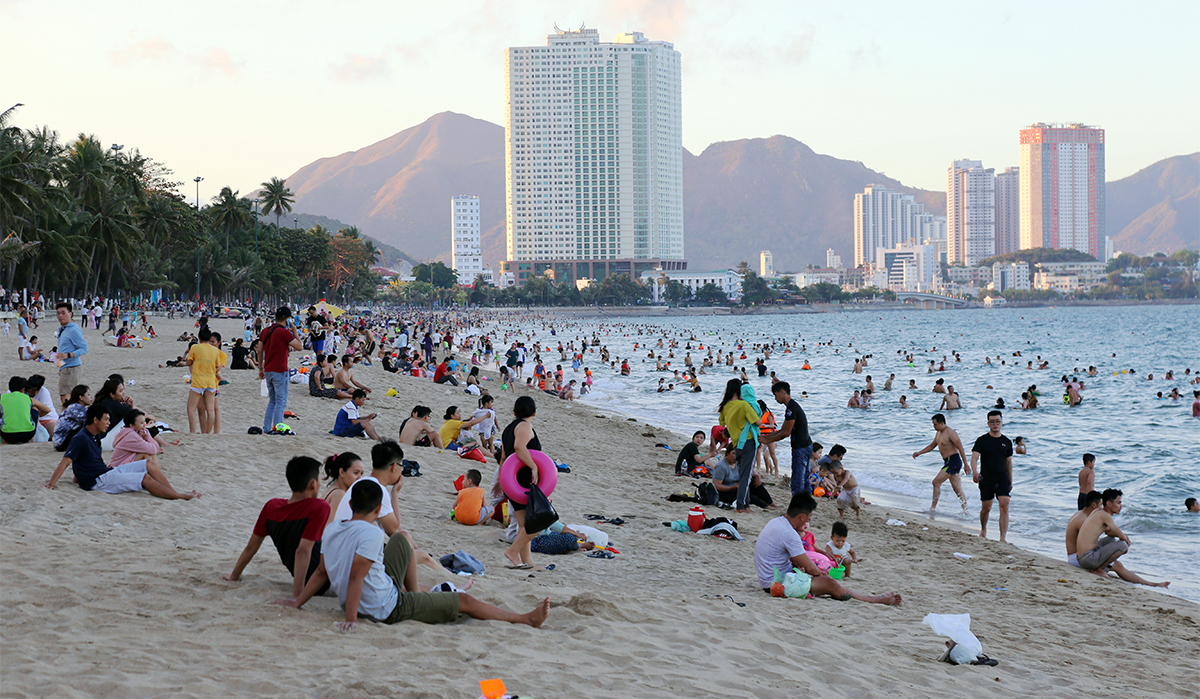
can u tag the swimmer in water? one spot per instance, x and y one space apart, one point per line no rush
950 401
954 459
903 401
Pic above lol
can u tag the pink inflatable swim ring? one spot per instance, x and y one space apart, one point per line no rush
513 472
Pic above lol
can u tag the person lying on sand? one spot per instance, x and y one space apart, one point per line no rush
779 546
382 584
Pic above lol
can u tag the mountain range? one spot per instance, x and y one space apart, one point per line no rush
740 197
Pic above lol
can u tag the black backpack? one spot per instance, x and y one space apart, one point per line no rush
706 493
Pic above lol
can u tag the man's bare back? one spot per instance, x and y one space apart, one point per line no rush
1073 527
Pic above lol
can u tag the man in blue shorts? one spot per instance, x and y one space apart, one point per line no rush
795 426
948 444
350 424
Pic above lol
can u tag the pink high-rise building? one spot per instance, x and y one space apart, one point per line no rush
1062 187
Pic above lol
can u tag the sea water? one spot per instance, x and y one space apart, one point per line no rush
1148 448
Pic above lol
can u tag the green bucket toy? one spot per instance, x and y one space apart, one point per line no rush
837 573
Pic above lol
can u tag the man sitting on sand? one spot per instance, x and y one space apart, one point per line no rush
295 525
86 461
374 576
349 423
416 431
343 378
1093 552
779 546
1092 501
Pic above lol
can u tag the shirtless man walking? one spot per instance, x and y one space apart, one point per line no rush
954 457
1093 502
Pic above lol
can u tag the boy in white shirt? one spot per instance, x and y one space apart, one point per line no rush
838 549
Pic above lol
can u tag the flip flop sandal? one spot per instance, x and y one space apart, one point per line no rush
594 517
600 554
722 597
984 660
616 520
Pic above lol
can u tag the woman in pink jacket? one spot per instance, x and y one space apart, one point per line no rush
134 443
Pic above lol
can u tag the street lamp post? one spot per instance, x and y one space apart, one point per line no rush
296 223
198 180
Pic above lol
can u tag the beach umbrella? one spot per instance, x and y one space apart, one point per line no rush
332 310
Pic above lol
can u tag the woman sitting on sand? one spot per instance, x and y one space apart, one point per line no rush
73 416
342 469
241 356
317 374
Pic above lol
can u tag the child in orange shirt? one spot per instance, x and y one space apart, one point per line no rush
471 507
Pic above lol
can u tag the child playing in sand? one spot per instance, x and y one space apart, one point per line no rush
844 483
839 549
470 508
295 525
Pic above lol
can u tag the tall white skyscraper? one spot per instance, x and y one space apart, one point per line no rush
766 264
887 219
1008 210
593 149
970 212
466 242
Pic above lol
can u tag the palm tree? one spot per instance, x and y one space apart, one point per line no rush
277 198
230 212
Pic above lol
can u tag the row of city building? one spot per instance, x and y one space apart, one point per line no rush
594 173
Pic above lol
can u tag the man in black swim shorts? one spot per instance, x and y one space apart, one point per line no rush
993 452
948 444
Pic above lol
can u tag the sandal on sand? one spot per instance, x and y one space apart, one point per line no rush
600 554
523 566
984 660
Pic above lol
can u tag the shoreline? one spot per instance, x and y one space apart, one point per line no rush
109 591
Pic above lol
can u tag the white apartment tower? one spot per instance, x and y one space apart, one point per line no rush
970 212
466 242
886 219
593 148
832 259
766 264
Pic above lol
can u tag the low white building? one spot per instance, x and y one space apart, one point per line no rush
970 276
993 301
819 276
727 280
1014 275
1069 277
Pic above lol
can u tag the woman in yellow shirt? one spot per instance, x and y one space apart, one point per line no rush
453 424
203 358
739 414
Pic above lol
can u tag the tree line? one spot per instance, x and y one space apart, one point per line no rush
81 220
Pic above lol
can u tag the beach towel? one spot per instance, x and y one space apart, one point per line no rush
461 562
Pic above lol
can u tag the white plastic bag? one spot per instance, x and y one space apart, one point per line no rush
958 628
262 389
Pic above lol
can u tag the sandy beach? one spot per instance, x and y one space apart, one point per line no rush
121 595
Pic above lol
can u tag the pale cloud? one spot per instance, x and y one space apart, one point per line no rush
864 55
356 67
800 49
217 60
152 49
659 20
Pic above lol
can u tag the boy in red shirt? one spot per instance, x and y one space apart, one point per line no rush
295 525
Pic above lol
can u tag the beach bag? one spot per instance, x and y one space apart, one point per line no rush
461 562
539 513
958 627
707 493
409 468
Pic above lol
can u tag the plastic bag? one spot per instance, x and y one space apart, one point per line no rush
958 628
539 513
262 389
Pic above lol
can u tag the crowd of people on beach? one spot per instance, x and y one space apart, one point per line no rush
350 539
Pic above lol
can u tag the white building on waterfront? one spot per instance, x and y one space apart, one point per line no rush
1069 277
593 149
819 276
832 259
766 264
1013 275
466 241
906 268
886 219
970 212
727 280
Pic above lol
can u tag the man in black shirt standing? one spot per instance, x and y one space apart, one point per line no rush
991 463
795 425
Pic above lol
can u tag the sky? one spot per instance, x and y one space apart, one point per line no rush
238 92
